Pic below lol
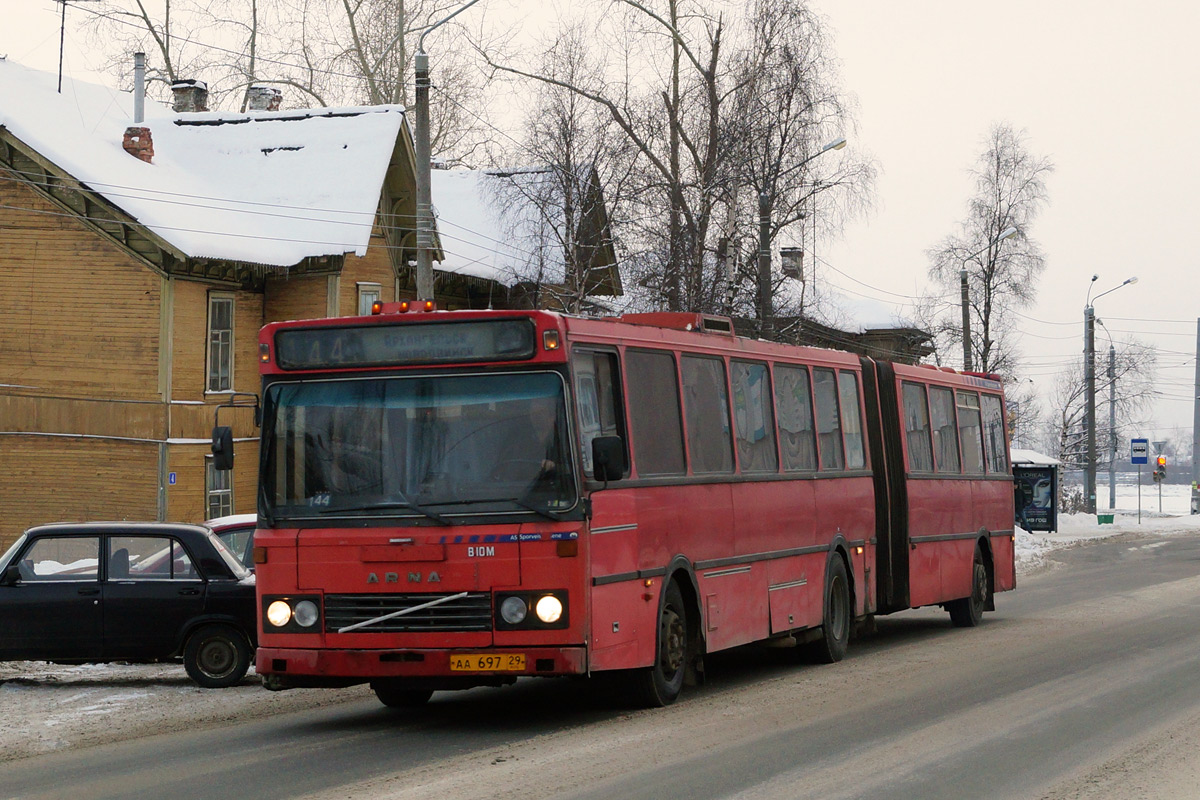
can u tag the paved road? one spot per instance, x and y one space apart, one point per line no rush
1085 683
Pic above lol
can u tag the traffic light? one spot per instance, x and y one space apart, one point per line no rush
1160 469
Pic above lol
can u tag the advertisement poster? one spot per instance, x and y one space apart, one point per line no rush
1035 497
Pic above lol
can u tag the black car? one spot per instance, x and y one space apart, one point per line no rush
128 591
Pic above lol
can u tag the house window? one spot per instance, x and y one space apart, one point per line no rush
218 488
368 293
220 344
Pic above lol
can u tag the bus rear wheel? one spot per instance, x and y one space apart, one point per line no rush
967 612
660 684
837 617
396 695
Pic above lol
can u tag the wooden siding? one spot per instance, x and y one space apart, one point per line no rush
295 298
135 420
53 479
374 267
189 331
81 317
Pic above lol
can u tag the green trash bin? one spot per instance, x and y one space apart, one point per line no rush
1104 519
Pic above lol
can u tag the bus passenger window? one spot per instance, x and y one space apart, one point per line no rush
753 418
993 434
916 428
851 420
829 429
796 441
654 413
706 403
945 432
597 399
969 433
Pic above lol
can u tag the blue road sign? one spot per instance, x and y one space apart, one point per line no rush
1139 451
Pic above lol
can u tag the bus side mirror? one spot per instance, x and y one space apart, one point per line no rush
608 458
222 447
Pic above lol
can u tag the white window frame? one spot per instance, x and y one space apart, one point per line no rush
226 346
215 492
368 293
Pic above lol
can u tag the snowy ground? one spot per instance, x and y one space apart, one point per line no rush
49 707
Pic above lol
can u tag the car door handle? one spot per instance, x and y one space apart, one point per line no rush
90 590
189 591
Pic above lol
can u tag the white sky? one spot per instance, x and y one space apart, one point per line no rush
1106 90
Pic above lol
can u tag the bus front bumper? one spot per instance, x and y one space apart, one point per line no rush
295 667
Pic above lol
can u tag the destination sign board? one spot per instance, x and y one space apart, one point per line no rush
406 344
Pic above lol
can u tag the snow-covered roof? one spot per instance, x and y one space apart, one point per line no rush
269 188
491 227
1033 457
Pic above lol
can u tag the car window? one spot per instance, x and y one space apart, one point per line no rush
61 558
238 541
148 558
234 563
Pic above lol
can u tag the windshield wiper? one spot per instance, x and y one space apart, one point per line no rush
547 513
386 504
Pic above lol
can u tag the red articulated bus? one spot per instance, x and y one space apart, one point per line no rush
456 499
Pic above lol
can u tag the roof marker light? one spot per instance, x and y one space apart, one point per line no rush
264 352
550 340
429 305
404 304
377 307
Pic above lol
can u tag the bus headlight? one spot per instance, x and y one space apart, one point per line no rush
549 609
305 613
291 613
531 611
513 610
279 613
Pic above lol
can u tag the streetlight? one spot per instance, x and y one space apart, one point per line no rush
423 156
1089 377
1008 232
765 312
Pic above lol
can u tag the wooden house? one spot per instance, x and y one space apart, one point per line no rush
137 263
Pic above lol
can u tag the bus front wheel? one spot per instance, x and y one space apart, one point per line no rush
395 695
659 685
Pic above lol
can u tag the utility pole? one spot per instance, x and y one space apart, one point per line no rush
966 319
1196 430
1089 381
766 311
424 167
1112 426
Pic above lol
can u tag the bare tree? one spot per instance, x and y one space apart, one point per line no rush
582 168
787 107
672 85
1010 191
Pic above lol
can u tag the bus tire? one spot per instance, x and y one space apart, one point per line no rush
396 695
967 612
660 684
216 656
837 616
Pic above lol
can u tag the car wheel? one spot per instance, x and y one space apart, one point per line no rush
216 656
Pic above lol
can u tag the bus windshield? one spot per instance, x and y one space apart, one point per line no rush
431 447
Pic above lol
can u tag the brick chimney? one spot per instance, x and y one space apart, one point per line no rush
190 95
137 143
263 98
